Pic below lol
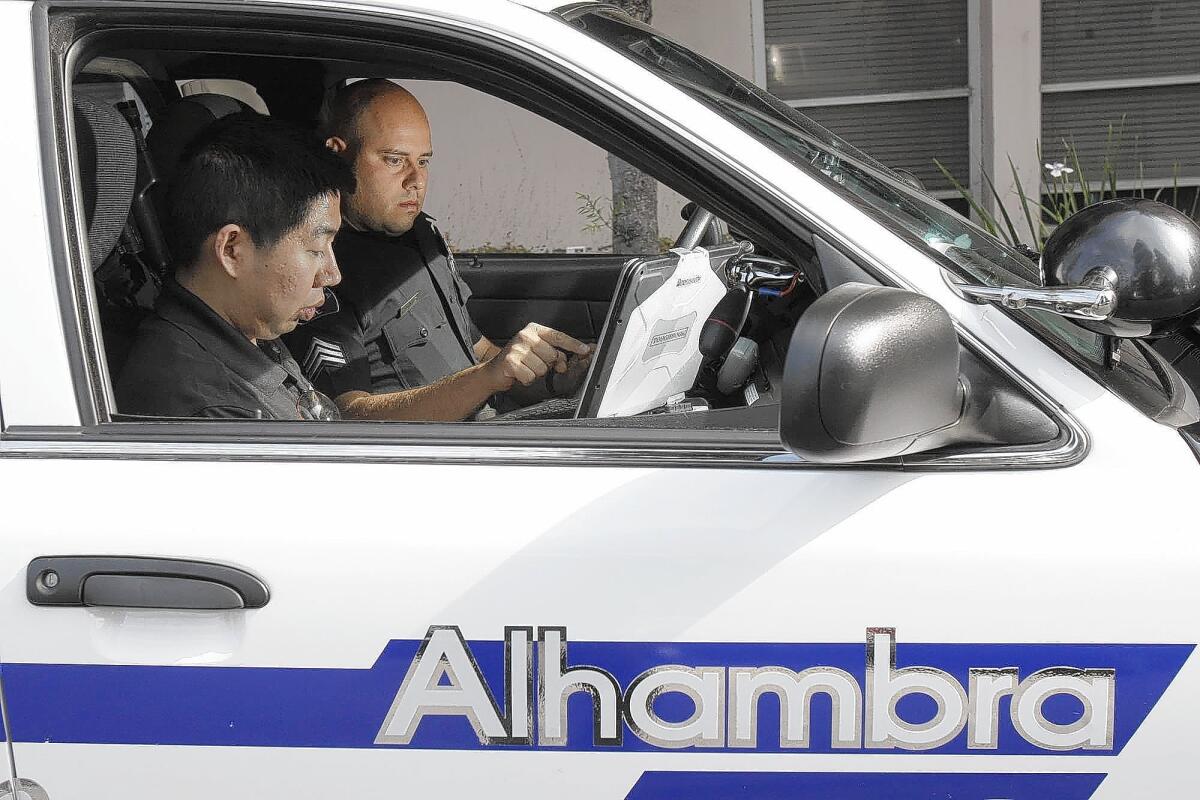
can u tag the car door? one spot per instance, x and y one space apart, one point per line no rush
602 614
568 292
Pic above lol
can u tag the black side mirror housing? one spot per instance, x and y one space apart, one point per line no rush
872 372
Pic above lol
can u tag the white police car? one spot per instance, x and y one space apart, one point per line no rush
973 576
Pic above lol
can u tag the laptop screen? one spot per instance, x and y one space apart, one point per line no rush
649 350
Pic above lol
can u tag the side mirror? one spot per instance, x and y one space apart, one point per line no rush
871 372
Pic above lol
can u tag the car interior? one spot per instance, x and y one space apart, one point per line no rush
132 120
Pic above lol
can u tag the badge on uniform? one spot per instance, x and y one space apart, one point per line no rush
408 304
323 356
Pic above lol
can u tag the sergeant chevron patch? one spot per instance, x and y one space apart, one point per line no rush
323 356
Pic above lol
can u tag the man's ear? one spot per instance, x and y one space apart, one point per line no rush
337 144
230 245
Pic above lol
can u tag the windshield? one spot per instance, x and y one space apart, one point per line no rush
968 250
955 242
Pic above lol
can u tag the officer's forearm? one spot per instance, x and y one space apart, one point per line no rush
485 349
451 399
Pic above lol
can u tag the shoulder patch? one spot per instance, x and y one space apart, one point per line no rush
323 356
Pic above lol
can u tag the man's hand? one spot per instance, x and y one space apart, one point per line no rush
533 352
565 384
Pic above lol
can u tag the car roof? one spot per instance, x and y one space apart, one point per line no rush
545 5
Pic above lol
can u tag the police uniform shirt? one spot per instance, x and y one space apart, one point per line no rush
187 361
401 320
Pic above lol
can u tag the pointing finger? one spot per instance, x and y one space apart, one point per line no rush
563 341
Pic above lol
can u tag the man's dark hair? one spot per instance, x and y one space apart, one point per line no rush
253 171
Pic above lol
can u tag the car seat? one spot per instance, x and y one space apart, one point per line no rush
108 162
123 205
108 171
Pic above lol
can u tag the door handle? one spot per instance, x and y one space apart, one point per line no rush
134 582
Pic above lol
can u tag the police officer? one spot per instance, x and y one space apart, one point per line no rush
401 344
253 210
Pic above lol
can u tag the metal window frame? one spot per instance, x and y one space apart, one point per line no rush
758 36
951 93
758 39
1119 84
560 445
1149 82
1136 184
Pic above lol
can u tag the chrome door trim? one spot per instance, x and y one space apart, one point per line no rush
1060 455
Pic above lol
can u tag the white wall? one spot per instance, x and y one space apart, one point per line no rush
718 29
1007 81
503 176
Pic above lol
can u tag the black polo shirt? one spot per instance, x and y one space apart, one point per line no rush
187 361
401 319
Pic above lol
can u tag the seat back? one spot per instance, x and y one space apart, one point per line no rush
124 202
108 172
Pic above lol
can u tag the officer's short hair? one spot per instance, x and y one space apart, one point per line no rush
253 171
343 108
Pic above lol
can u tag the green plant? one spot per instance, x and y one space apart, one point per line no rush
1063 189
593 210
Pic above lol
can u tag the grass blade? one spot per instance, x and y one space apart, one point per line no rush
1013 238
1037 238
1068 188
1112 146
1054 214
985 219
1084 186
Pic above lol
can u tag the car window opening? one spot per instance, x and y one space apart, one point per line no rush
132 264
665 338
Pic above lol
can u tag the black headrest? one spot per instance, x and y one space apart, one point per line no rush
182 121
175 128
108 172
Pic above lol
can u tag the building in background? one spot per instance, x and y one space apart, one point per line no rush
890 77
970 83
975 83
